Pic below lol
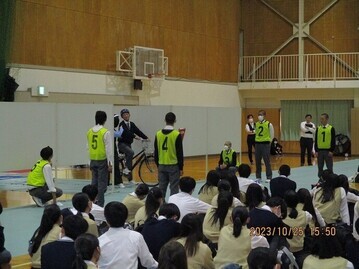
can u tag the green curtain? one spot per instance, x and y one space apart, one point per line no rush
293 113
7 8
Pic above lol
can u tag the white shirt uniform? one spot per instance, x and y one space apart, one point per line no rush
307 132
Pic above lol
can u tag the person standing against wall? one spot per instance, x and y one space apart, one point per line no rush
251 134
324 144
169 155
99 144
263 137
307 131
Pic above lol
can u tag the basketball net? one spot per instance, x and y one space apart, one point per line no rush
154 81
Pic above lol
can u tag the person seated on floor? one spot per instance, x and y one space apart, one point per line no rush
96 211
153 202
236 240
234 189
165 225
61 253
218 216
40 181
279 185
199 255
5 255
184 199
209 189
134 201
275 147
47 232
263 258
173 256
254 196
352 244
88 252
120 247
244 171
227 160
326 253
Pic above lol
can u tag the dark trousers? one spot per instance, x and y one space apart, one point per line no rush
323 156
263 151
99 171
251 144
127 150
306 144
116 166
43 194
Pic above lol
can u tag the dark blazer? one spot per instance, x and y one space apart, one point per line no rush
59 254
129 134
279 185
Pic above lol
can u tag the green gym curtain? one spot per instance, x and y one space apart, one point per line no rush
293 113
6 17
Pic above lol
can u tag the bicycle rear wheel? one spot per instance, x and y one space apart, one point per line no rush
148 171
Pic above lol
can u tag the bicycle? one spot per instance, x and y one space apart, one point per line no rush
147 171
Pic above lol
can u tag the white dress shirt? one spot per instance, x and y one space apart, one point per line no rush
304 129
244 183
47 170
121 248
98 213
188 204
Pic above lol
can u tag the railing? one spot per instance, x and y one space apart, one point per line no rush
324 66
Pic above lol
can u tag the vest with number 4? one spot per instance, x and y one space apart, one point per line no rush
262 132
166 145
96 144
324 137
36 176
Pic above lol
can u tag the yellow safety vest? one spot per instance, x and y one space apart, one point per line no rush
324 137
36 176
96 144
262 131
166 145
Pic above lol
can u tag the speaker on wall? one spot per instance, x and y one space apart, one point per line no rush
137 84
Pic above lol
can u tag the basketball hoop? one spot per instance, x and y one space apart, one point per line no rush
154 81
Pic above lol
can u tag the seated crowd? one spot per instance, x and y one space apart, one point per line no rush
234 223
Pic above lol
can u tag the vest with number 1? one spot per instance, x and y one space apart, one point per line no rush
324 137
262 131
167 154
36 176
96 144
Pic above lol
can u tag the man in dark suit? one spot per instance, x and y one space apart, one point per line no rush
279 185
60 254
130 132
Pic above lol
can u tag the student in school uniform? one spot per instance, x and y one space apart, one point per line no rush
134 201
88 252
209 189
81 202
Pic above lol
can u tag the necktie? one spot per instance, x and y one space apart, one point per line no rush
128 125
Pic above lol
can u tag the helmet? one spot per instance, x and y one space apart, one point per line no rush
123 111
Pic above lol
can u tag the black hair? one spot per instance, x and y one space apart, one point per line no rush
100 117
223 185
308 115
142 190
169 211
172 256
50 216
74 226
116 214
191 229
326 247
325 115
305 198
212 180
153 202
284 170
343 182
224 201
91 190
249 116
292 200
244 170
187 184
170 118
46 153
254 196
262 258
262 112
277 201
85 246
328 188
240 216
232 179
80 201
116 120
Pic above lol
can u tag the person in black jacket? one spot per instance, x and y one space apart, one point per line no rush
279 185
61 254
130 132
5 256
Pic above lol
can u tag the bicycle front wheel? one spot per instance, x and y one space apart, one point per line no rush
148 171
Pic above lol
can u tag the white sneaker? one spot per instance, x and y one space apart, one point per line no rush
268 180
126 171
59 204
121 185
38 201
132 183
258 181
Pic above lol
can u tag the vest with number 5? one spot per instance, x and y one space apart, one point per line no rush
166 145
96 144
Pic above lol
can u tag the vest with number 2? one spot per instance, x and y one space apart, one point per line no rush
262 132
96 144
167 154
36 176
324 137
